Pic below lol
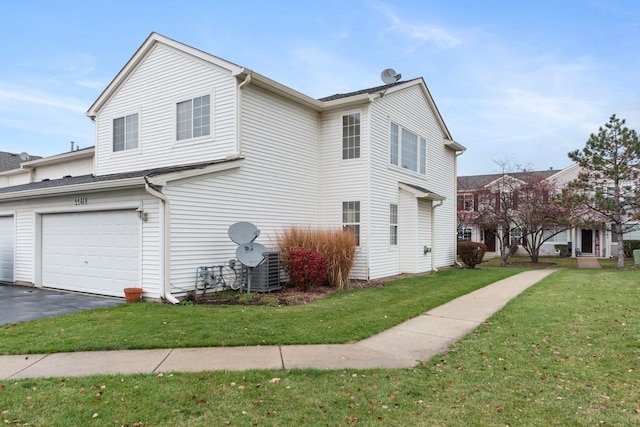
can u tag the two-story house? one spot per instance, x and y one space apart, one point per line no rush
188 144
589 239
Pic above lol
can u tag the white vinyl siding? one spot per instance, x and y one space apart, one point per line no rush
276 187
155 94
410 110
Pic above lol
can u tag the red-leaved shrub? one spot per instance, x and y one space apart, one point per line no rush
471 253
307 269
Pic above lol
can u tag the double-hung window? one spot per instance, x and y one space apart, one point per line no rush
393 224
351 136
125 132
351 218
407 150
193 118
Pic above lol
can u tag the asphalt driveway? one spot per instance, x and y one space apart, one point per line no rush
22 303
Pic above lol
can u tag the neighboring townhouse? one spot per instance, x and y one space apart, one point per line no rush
581 241
188 144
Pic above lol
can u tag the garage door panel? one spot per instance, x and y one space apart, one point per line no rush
95 252
6 248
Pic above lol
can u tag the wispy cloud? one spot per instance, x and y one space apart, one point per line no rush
13 96
418 33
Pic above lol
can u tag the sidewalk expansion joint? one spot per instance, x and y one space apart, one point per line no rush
163 360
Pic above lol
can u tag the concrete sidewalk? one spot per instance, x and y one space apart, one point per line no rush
588 262
399 347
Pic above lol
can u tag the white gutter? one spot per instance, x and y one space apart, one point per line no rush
88 187
165 272
241 86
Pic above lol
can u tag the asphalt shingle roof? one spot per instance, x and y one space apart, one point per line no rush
9 161
474 182
87 179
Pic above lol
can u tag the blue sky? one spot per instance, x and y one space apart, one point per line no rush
524 81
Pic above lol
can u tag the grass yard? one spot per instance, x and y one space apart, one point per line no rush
341 317
565 352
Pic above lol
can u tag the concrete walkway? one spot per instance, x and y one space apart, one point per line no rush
588 262
399 347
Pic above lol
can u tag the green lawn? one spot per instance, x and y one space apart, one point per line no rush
565 352
342 317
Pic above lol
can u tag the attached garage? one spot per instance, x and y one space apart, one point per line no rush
95 252
6 248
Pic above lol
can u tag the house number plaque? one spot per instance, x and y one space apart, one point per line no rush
80 201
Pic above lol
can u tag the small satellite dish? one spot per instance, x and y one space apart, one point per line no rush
24 156
389 76
243 232
251 254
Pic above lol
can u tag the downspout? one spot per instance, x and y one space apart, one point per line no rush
165 242
244 83
455 191
433 235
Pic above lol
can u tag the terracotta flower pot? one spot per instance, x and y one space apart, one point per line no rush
132 294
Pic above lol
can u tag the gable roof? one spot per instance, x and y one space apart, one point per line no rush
248 76
9 161
475 182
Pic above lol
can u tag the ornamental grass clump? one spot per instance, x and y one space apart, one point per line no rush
471 253
337 246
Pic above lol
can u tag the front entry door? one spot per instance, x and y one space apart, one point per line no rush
490 240
587 241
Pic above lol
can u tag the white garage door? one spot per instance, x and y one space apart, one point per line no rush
6 248
96 252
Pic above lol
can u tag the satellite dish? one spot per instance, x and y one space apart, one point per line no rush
389 76
243 232
251 254
24 156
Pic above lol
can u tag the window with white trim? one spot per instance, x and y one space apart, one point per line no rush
193 118
464 233
351 218
125 132
407 150
393 224
351 136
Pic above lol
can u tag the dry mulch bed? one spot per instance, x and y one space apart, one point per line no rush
285 296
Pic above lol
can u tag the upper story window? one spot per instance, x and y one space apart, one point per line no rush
351 136
193 118
407 150
467 202
351 218
125 132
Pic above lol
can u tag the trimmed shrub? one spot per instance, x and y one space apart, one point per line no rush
471 253
307 269
563 250
630 246
337 246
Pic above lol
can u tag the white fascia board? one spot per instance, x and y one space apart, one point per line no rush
88 187
349 102
59 158
278 88
165 178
